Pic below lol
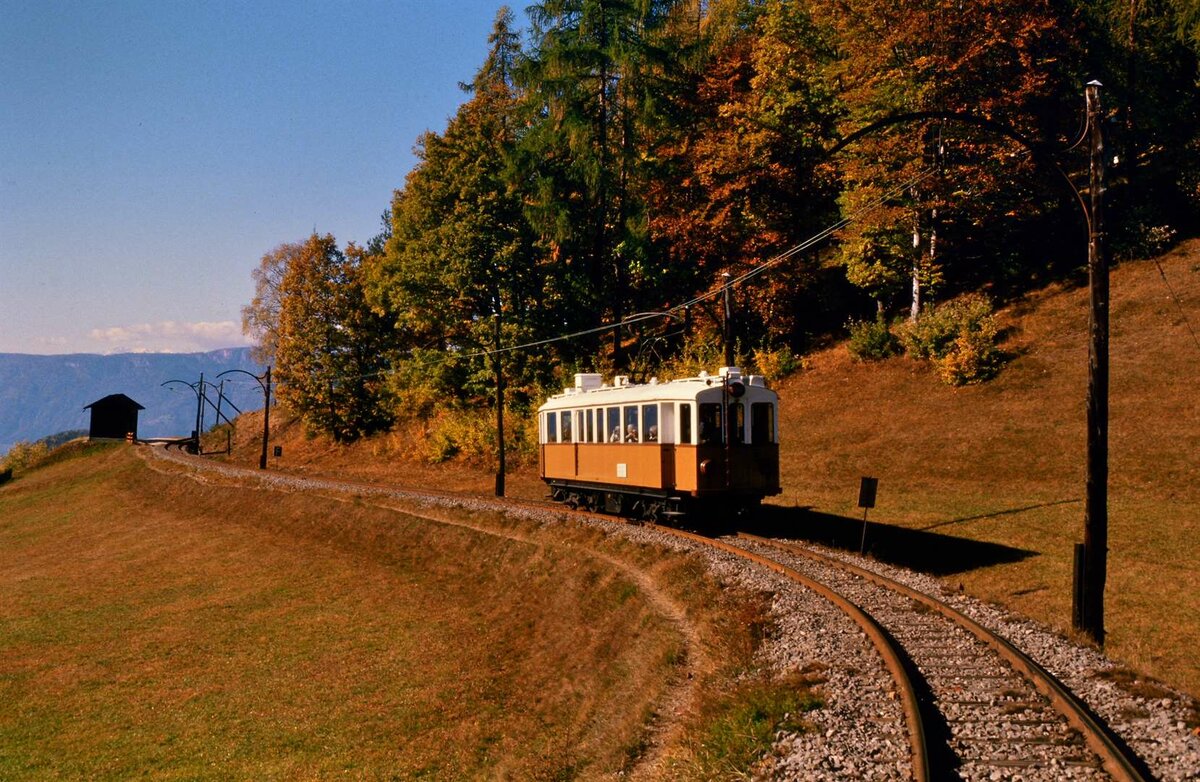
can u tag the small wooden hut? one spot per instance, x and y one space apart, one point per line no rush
113 418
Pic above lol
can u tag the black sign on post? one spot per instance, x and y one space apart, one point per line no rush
866 492
866 501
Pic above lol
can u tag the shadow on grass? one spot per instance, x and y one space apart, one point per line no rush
1009 512
928 552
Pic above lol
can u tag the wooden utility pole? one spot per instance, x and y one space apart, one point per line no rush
499 408
264 382
1095 521
727 321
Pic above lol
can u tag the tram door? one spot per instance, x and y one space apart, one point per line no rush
666 424
666 439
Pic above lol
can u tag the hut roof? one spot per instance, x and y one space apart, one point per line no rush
114 399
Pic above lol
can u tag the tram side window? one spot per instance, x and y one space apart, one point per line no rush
762 422
591 425
566 426
552 427
710 424
737 422
649 423
614 425
580 428
631 424
685 424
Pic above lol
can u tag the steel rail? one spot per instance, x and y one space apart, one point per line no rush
1114 757
891 652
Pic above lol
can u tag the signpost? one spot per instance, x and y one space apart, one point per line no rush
866 500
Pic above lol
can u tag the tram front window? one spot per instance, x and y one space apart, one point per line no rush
762 422
711 431
737 422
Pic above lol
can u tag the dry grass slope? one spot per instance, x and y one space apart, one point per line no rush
1003 463
154 625
983 484
150 625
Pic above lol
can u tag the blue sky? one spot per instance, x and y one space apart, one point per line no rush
151 152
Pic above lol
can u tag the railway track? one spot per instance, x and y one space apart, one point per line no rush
976 707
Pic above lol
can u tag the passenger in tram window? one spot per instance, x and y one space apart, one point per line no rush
615 437
649 423
630 413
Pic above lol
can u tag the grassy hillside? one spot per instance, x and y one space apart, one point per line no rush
155 625
1004 463
1001 463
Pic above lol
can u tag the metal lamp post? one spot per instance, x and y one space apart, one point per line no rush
264 382
197 389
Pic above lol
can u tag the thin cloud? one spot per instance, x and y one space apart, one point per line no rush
169 336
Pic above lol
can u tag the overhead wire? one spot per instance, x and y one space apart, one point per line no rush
1178 305
642 317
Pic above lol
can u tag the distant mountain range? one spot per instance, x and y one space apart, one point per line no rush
43 395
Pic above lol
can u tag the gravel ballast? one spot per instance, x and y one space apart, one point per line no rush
859 732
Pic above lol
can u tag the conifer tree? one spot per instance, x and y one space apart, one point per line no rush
597 77
461 250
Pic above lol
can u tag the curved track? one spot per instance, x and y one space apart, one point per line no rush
999 713
891 652
975 706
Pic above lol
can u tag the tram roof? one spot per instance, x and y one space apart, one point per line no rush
589 392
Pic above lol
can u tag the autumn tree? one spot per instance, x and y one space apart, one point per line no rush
260 318
967 198
332 350
747 172
1144 52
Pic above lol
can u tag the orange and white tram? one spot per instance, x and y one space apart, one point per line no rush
664 449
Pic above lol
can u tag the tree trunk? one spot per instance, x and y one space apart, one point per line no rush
915 308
